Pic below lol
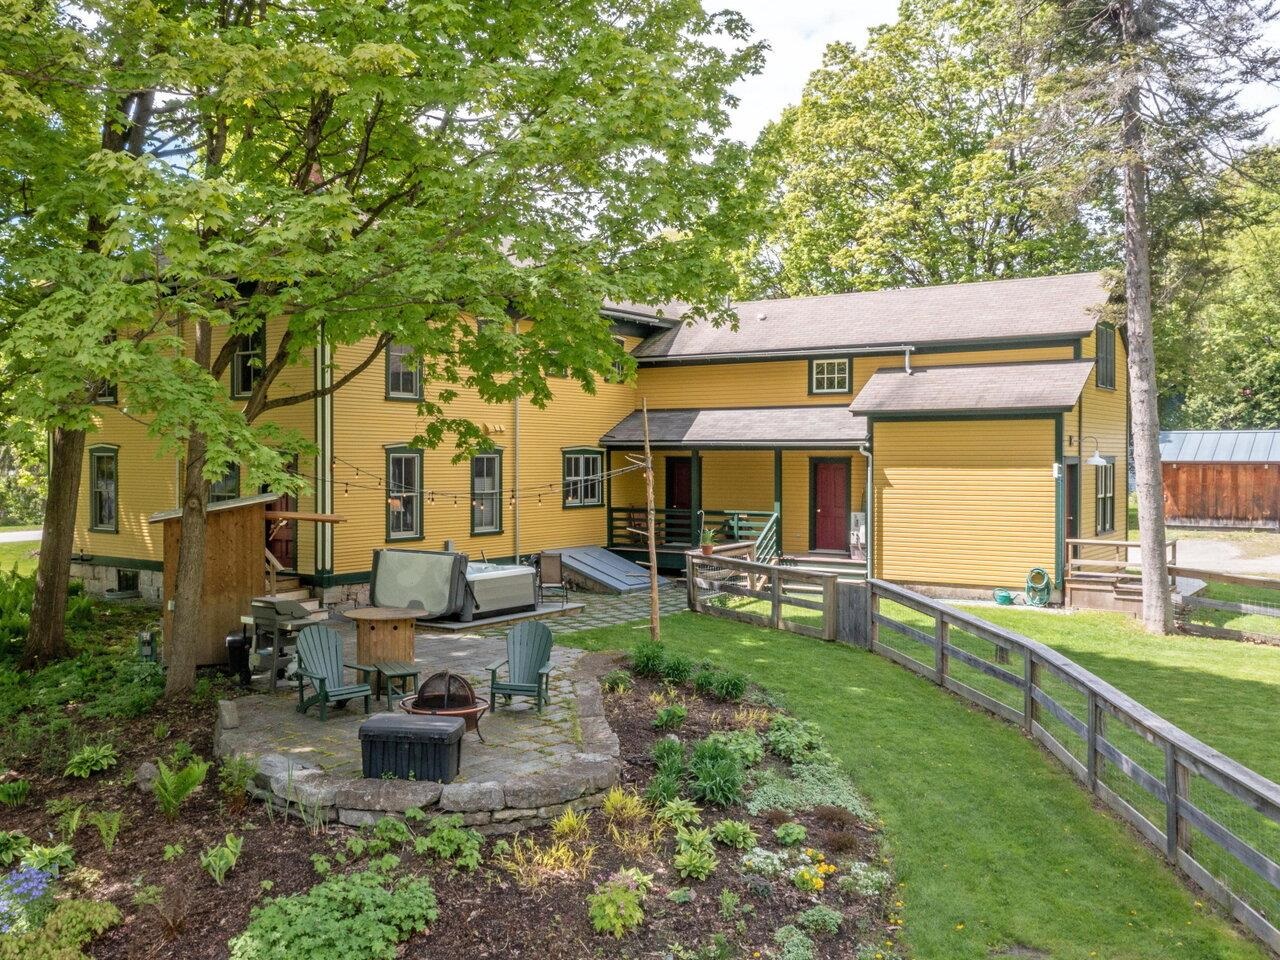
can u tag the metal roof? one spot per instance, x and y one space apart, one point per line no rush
744 427
215 507
1220 446
974 388
1060 307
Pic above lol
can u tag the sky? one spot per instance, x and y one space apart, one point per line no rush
797 31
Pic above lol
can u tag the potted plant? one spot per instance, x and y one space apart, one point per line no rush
708 540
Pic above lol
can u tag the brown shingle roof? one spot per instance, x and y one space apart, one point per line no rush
753 426
1034 308
997 387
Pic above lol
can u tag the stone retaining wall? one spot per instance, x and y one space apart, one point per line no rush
300 787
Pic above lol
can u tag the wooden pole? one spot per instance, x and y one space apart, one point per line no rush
655 629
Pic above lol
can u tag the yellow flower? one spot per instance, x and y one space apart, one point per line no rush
959 926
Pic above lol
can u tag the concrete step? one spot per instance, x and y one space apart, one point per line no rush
300 594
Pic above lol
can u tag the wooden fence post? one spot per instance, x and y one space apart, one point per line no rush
941 636
775 587
829 608
1030 678
873 625
853 606
1177 782
1091 740
691 571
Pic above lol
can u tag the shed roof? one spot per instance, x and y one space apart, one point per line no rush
1059 307
750 427
215 507
1220 446
1040 387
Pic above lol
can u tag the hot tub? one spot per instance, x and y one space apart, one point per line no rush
498 589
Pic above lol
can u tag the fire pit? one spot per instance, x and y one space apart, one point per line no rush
446 694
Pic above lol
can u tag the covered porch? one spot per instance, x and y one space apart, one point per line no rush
777 484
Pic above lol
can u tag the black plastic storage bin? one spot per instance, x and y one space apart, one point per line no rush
405 747
238 656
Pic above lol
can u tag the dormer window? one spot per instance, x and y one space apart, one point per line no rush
404 373
829 376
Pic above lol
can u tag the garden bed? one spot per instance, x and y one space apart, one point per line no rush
228 876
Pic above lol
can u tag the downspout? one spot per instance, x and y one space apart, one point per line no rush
515 479
870 495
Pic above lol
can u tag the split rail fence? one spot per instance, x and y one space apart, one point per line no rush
1214 818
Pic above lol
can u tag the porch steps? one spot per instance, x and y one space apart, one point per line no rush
844 566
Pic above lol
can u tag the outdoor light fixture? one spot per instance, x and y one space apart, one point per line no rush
1097 460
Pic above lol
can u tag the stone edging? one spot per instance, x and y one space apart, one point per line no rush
304 789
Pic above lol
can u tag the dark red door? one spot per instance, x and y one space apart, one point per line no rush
679 483
830 505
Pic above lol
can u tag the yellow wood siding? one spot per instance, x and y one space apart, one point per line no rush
148 481
796 534
365 423
1101 413
962 502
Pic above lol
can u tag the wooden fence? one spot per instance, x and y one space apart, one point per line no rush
1215 819
1188 605
764 594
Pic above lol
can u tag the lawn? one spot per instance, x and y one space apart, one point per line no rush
18 555
996 846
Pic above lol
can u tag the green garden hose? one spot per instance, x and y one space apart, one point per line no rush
1038 588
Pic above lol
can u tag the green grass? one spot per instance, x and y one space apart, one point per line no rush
995 844
18 555
1248 622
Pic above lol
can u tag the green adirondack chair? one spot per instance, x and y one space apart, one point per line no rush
319 650
528 664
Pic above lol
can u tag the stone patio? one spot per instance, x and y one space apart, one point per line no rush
530 766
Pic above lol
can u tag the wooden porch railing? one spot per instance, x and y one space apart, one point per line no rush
1118 566
627 526
764 594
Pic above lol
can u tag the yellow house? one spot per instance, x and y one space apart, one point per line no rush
968 411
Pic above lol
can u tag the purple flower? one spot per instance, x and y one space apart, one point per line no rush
23 896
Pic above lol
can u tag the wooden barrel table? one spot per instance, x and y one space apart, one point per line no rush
383 635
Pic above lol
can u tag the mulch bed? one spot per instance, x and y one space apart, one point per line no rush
483 914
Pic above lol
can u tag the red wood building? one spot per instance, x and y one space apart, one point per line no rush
1221 478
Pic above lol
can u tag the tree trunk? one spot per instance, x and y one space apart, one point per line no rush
47 634
1157 605
184 625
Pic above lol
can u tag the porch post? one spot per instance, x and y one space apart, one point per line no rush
777 491
695 495
608 497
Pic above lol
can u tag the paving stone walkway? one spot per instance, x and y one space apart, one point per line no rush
607 610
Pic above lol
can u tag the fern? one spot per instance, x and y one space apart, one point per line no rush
172 787
108 825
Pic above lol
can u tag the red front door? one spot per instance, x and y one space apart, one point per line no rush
679 483
829 508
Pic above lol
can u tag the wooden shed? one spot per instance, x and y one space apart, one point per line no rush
233 568
1221 478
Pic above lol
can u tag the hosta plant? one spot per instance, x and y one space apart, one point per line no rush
790 834
90 760
220 860
735 833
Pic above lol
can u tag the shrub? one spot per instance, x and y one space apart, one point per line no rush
668 718
648 659
794 943
662 789
220 860
677 668
729 686
571 825
617 905
52 859
616 681
108 825
809 786
365 914
694 863
764 863
679 812
715 774
793 739
864 880
90 760
173 786
449 840
15 792
746 745
790 834
819 920
13 844
234 777
668 754
735 833
67 928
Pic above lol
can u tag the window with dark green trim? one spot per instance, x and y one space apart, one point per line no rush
247 363
829 376
583 478
619 372
1106 356
404 373
404 494
104 471
1105 480
227 488
486 493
